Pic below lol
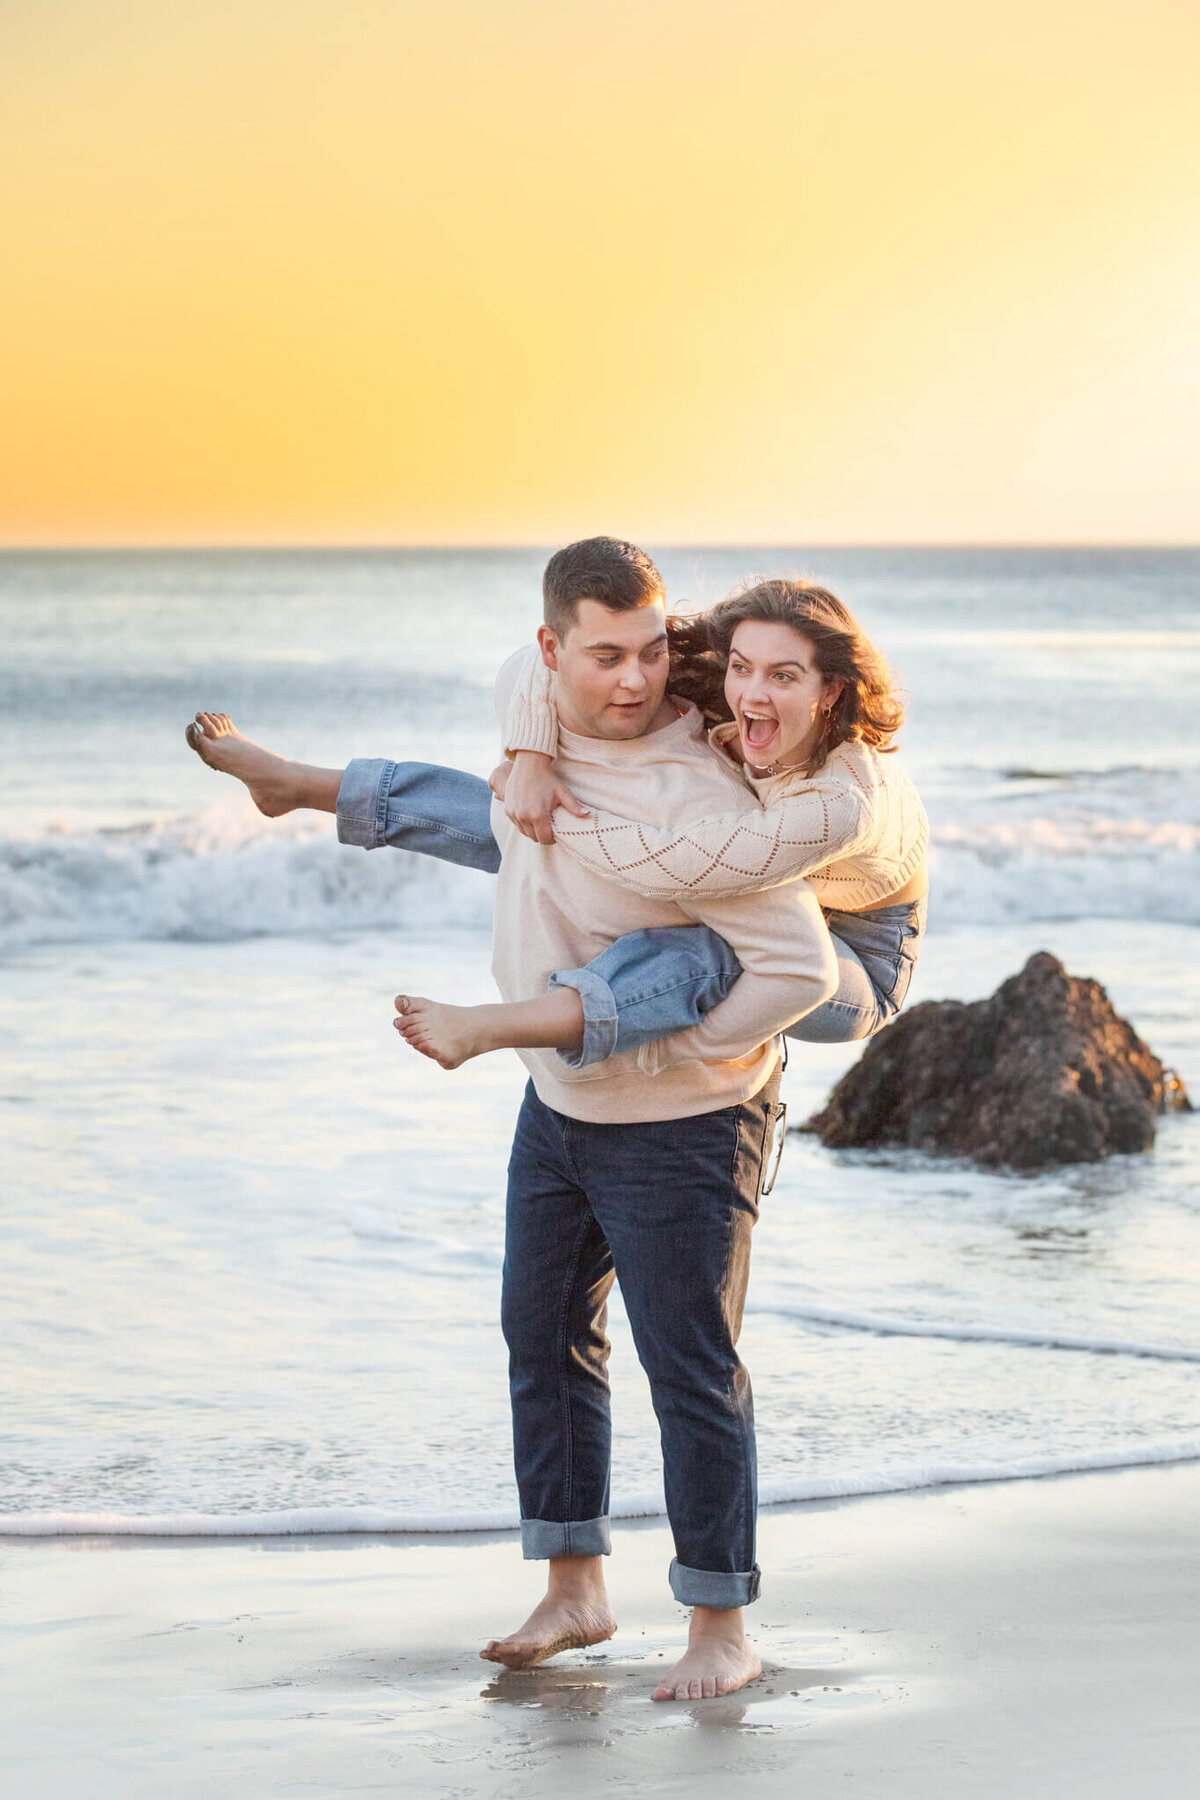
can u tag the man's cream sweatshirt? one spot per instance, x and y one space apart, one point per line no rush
552 913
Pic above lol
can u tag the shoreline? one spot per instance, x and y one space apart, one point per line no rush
1038 1637
384 1525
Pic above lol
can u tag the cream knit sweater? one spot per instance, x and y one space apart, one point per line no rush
554 912
856 829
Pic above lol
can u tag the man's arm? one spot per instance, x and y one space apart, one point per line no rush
788 968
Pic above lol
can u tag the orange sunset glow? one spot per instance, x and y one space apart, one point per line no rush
688 270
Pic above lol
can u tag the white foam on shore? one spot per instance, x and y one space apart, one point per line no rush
227 873
321 1521
893 1325
223 874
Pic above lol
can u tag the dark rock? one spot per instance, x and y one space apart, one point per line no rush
1042 1072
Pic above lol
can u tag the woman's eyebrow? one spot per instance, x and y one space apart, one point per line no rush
790 662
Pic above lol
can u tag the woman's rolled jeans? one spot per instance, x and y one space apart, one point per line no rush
649 984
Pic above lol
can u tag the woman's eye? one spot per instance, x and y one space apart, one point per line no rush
781 676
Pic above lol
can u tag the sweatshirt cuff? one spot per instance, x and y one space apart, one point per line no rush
532 729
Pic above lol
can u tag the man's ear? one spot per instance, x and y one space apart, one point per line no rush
548 645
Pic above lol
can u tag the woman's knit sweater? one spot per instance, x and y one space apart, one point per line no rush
856 829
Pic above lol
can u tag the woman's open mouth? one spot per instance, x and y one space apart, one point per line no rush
758 731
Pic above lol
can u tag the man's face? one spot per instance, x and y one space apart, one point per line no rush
612 669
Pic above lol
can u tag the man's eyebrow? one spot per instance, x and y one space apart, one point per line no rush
621 648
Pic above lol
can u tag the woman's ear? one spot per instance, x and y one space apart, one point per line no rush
548 645
834 689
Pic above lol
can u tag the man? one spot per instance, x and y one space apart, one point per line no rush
653 1179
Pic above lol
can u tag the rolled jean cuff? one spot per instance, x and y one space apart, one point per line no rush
362 802
714 1587
599 1016
541 1538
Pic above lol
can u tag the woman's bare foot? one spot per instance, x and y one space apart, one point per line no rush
276 785
449 1035
718 1659
560 1622
271 779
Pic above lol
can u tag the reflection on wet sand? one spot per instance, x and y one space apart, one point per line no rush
568 1690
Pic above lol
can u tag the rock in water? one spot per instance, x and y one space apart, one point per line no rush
1043 1072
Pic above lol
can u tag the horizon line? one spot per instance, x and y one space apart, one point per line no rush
390 547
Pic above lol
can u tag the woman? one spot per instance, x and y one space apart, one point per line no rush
803 707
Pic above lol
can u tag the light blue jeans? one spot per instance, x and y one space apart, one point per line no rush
648 984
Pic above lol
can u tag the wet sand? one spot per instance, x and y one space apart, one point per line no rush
1031 1638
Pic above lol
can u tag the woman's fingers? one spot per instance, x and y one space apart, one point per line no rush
568 800
536 821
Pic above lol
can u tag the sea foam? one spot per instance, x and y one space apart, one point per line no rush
963 1331
321 1521
227 873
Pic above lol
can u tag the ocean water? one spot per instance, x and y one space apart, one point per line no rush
252 1244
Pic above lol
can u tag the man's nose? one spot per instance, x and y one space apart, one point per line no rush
633 677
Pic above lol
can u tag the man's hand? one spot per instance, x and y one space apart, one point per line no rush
531 792
498 779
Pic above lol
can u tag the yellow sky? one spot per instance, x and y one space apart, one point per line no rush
521 270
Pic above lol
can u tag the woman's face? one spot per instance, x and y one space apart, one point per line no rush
776 694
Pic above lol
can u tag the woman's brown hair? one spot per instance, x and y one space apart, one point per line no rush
867 709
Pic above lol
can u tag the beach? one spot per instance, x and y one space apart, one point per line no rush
256 1494
1038 1638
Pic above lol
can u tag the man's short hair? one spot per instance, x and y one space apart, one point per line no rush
617 574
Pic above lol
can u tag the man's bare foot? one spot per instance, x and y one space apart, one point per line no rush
559 1623
718 1659
270 778
449 1035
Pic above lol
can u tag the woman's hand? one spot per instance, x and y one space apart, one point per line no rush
532 791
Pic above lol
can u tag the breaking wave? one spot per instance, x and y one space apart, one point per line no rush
224 874
227 873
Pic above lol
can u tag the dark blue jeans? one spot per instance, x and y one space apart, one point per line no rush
667 1209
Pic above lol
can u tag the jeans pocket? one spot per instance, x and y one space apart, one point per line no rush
904 974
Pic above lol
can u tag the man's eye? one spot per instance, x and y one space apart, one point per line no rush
607 662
